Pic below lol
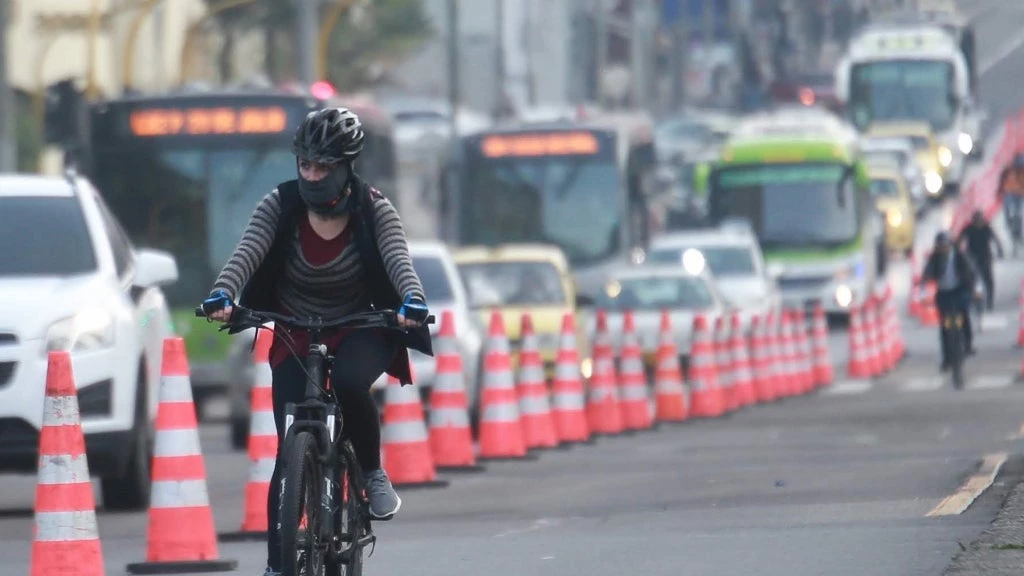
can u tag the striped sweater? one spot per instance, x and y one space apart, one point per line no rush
336 288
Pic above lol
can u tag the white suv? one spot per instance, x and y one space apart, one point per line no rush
71 280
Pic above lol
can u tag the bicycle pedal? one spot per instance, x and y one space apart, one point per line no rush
367 540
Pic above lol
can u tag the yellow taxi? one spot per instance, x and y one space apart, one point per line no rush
518 279
892 198
933 158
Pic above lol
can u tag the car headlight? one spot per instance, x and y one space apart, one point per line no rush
965 143
844 295
945 156
894 217
587 368
90 329
932 182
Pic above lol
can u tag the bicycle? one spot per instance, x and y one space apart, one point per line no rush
316 453
953 326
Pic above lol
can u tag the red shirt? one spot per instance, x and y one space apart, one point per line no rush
319 251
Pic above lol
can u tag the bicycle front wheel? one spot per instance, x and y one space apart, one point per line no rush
301 551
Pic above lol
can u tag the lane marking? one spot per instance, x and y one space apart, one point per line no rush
1003 53
922 384
848 387
994 322
990 382
973 487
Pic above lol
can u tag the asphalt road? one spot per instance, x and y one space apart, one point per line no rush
839 482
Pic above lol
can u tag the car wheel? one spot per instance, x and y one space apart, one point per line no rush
239 433
131 491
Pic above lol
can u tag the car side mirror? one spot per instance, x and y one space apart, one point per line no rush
154 268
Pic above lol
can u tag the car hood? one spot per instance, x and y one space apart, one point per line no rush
29 305
743 291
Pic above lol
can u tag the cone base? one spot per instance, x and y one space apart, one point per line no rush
424 484
242 536
468 468
530 456
182 567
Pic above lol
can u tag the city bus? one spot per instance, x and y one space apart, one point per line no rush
583 186
898 71
184 173
803 188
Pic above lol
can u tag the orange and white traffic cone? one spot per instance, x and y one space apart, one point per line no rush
858 365
181 535
451 437
1020 328
804 353
913 304
534 405
724 366
789 355
568 400
669 392
874 342
743 381
501 432
929 311
634 403
824 374
603 413
66 541
262 444
706 397
404 441
775 366
760 361
897 326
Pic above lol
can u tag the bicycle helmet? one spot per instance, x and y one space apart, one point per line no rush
329 136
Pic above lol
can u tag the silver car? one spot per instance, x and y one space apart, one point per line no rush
444 291
735 259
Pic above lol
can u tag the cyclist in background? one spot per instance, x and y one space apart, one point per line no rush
955 279
1011 189
979 238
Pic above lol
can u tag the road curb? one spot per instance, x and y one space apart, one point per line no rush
999 550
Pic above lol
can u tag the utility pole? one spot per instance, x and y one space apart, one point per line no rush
306 33
499 57
7 112
640 52
453 64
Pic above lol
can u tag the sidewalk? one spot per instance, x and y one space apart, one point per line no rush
999 550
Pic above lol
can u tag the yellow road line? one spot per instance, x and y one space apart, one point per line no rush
958 501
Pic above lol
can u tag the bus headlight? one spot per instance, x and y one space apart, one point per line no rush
894 217
844 296
933 183
945 156
965 143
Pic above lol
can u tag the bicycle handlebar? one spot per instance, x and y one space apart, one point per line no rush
243 318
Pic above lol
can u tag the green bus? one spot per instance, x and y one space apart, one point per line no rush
184 172
803 189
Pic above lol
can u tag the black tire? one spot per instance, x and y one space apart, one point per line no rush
301 483
130 491
239 433
349 528
957 361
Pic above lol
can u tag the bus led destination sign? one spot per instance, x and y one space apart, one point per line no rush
540 144
208 121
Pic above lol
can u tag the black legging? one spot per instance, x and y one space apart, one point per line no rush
359 360
984 263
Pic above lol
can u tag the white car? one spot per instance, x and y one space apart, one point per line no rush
735 259
71 280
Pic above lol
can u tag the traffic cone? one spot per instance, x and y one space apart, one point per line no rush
603 413
451 437
1020 329
724 366
804 353
568 401
669 392
65 541
706 397
775 365
885 335
789 356
634 403
743 381
534 404
929 311
501 432
871 332
405 443
897 324
262 445
913 304
181 535
823 371
858 366
760 359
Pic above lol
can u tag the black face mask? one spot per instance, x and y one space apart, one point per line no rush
326 196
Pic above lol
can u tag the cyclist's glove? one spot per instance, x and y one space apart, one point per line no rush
414 308
217 301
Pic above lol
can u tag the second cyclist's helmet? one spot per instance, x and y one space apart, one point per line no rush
329 136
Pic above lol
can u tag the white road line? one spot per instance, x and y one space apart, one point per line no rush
922 384
990 382
848 387
994 322
1003 53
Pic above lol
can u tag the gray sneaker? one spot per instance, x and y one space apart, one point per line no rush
384 501
270 572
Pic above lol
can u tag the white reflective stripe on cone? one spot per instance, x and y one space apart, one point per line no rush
60 411
179 442
448 418
263 376
531 374
63 469
179 494
499 380
534 405
568 402
563 372
262 424
175 389
404 432
447 382
261 470
79 525
633 393
668 386
496 345
504 412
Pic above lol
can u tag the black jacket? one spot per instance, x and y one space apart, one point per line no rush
936 265
261 291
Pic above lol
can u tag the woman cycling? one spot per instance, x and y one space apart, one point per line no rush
327 244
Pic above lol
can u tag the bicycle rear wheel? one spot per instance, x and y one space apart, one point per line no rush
301 551
350 522
958 352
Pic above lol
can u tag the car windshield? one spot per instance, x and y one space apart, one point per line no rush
723 261
903 90
887 155
656 293
432 275
50 234
884 188
511 283
687 130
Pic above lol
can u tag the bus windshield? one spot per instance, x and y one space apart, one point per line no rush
572 201
813 205
903 90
